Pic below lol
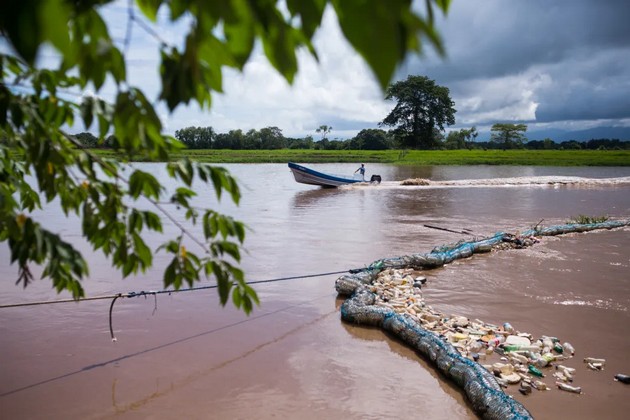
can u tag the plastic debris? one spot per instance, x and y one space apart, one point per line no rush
595 366
594 360
540 385
534 371
568 348
569 388
620 377
396 305
525 388
389 300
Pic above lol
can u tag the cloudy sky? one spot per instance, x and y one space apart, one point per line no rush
551 64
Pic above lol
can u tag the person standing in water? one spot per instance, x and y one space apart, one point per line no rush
361 170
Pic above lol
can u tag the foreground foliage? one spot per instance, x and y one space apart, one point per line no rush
38 104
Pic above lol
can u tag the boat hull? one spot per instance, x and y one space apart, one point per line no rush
308 176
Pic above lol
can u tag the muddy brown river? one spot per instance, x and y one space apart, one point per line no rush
183 356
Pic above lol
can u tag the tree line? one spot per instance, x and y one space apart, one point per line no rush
504 136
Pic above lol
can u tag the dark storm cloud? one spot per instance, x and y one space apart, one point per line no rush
583 47
593 87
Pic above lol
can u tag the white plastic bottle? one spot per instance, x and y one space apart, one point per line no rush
568 348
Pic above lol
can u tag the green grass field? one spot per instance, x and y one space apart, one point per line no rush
413 157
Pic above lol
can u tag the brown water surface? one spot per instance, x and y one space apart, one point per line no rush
182 356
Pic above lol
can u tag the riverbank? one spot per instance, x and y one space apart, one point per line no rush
412 157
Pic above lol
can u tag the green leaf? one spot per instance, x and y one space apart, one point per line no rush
443 5
240 38
27 27
216 176
239 229
152 221
142 251
399 29
182 195
383 48
236 297
141 182
231 249
171 275
310 12
135 221
150 8
279 44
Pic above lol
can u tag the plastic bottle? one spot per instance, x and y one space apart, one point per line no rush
565 369
504 368
549 357
558 348
510 347
535 371
476 346
494 342
568 348
569 388
541 362
540 385
508 327
622 378
594 360
561 376
567 372
518 358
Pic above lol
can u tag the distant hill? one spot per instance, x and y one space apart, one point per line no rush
620 133
558 135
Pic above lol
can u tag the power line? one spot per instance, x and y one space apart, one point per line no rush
154 293
159 292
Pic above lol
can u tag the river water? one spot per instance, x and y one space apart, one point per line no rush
183 356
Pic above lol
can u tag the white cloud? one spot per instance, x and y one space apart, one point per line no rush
338 87
508 98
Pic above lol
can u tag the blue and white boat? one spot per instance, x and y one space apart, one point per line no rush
309 176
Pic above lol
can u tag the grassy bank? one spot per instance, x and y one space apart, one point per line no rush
414 157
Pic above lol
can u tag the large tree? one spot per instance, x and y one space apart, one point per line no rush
324 130
421 107
271 138
460 139
508 135
234 139
37 105
196 137
371 139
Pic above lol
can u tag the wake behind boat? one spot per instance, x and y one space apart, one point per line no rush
309 176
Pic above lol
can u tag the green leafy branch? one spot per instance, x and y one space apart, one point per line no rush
40 164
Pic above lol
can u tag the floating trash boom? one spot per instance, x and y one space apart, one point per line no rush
480 386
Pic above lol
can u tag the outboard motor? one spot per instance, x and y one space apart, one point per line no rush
376 179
